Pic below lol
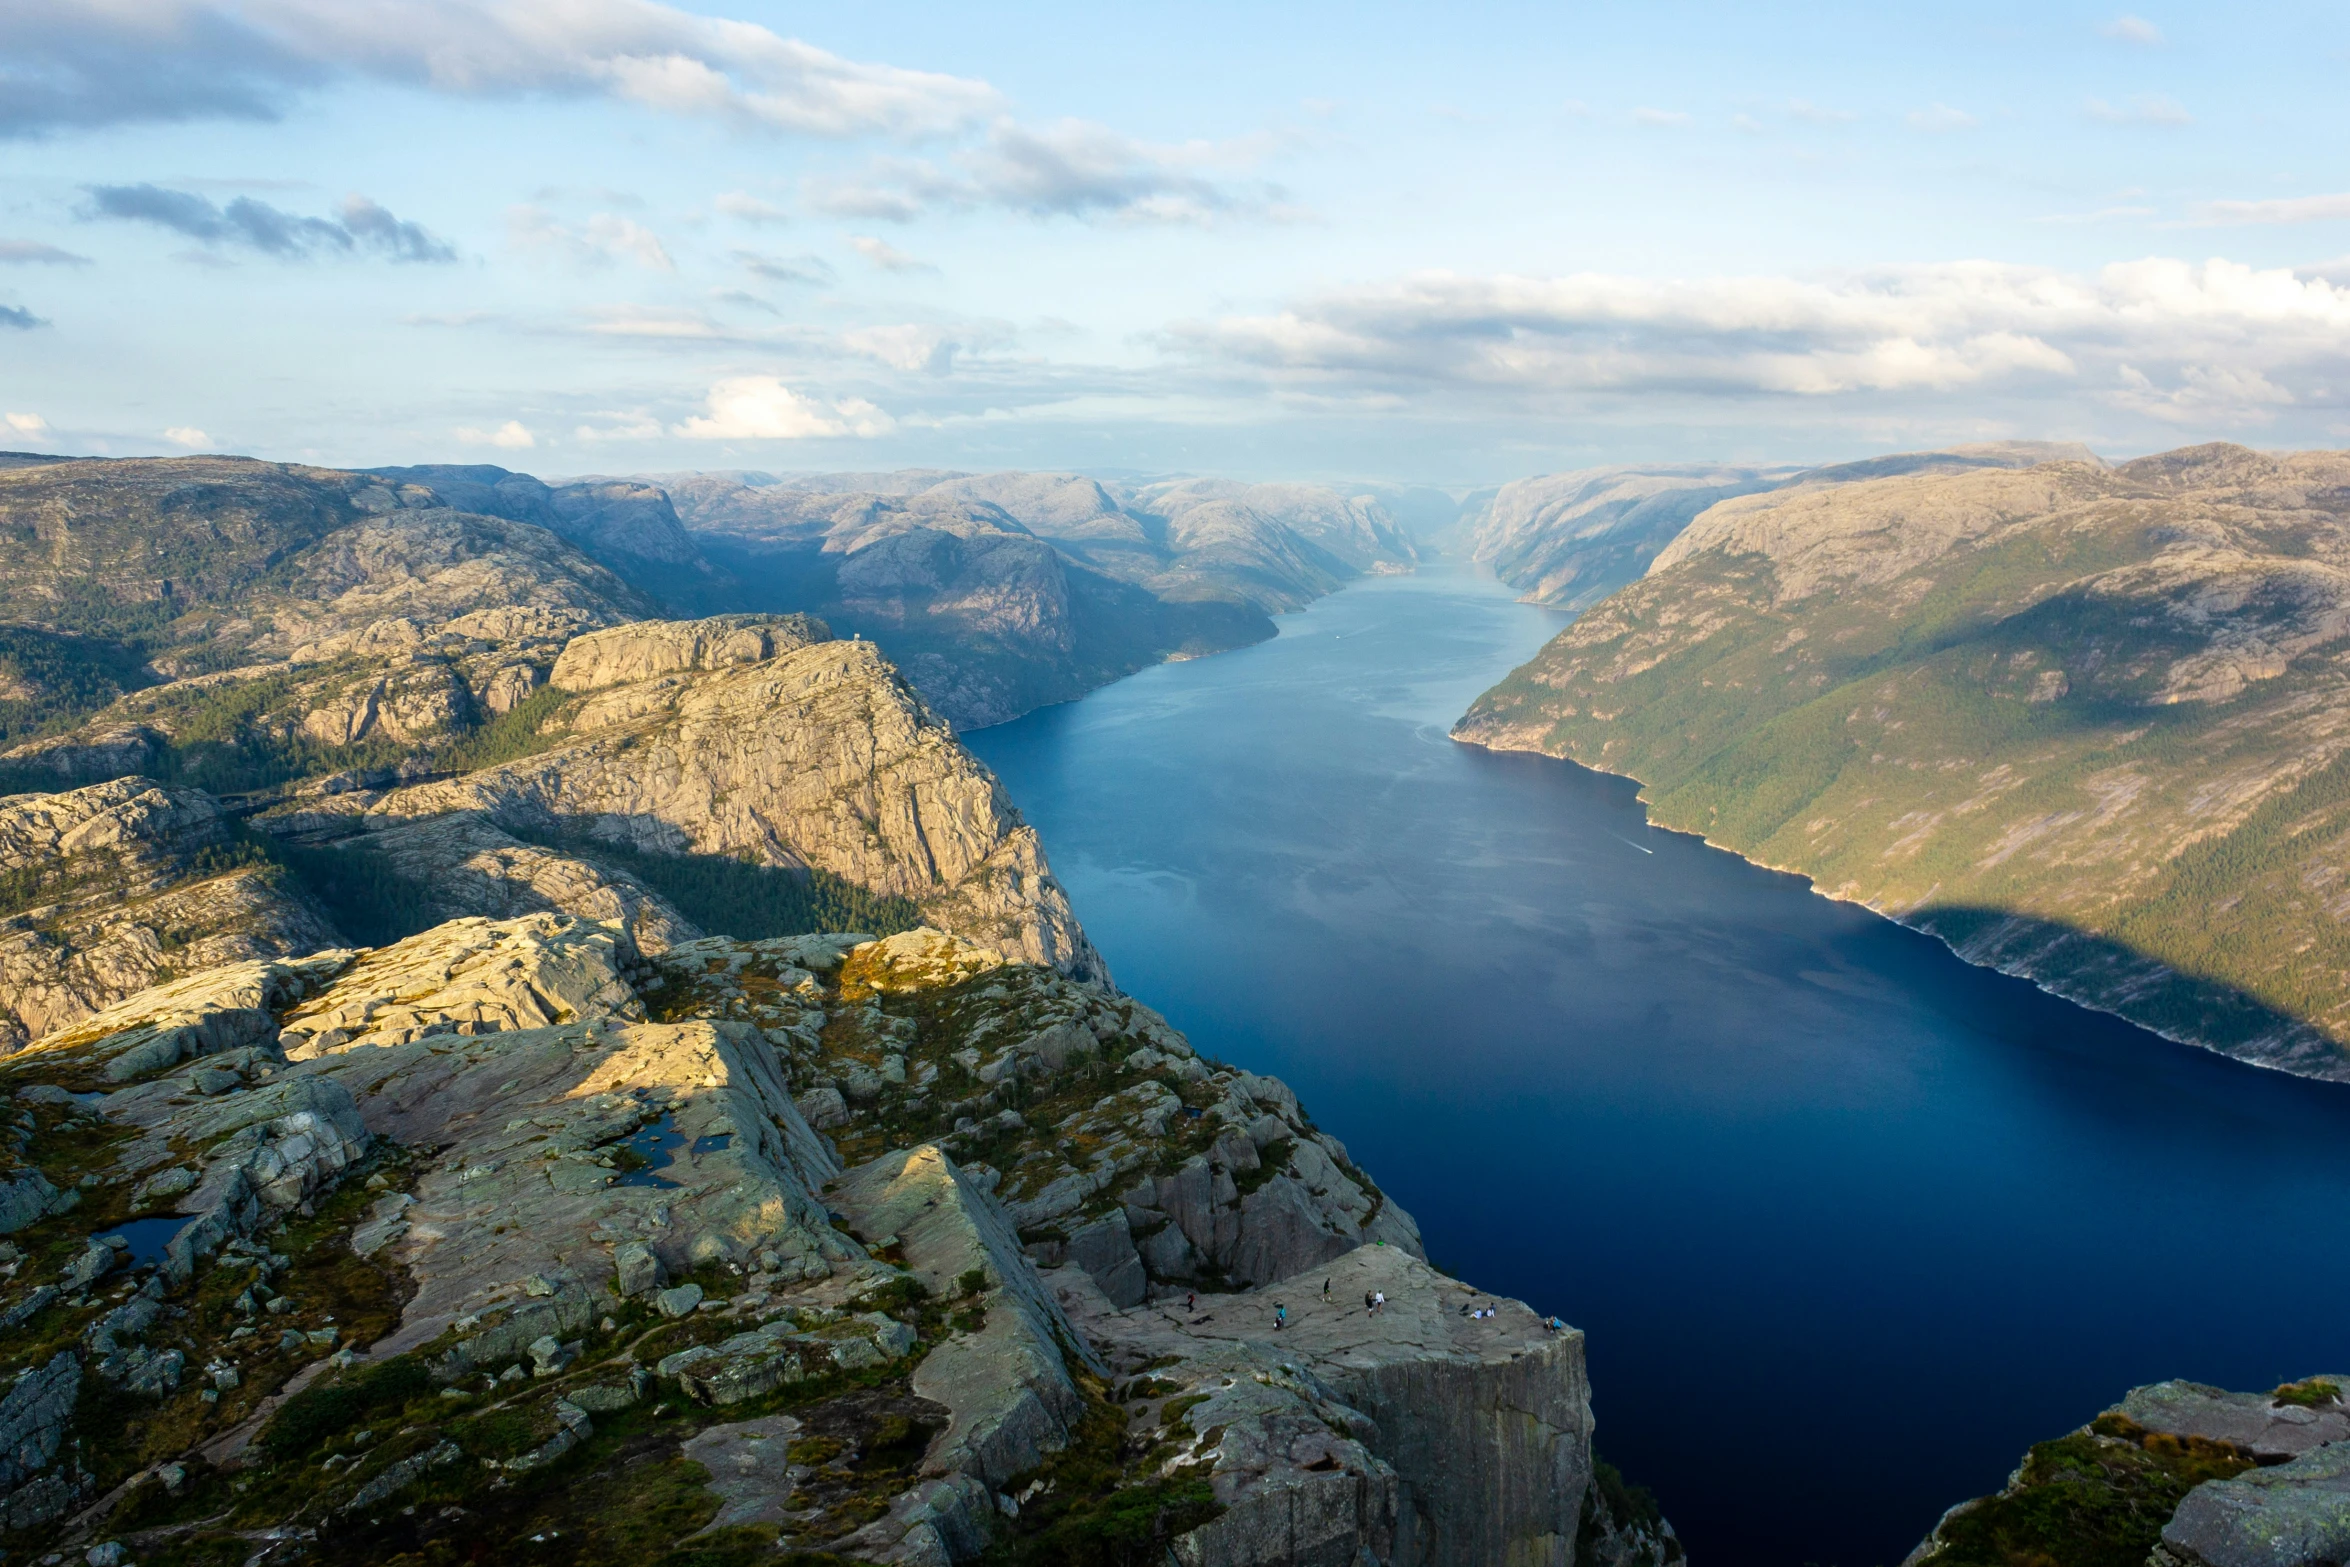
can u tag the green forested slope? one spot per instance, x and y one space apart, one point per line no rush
2086 724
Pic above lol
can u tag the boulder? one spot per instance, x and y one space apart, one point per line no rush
2296 1514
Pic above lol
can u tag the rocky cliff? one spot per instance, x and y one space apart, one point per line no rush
2086 724
110 890
510 1236
744 741
2175 1475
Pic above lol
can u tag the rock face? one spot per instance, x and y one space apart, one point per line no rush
420 1222
2082 723
114 888
813 756
1416 1431
2176 1475
2295 1515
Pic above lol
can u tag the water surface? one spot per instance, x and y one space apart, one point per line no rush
1849 1223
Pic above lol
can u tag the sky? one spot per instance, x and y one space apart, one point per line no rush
1385 243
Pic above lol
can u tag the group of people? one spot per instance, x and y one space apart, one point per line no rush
1375 1301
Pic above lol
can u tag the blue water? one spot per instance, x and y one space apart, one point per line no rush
656 1142
149 1239
1849 1223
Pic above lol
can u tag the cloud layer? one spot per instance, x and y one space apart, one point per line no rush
2217 341
1073 169
248 224
68 63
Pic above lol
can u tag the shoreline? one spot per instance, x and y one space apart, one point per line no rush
1811 885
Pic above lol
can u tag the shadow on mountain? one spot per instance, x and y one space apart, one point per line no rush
739 897
2113 976
375 903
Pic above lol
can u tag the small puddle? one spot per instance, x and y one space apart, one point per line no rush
656 1142
149 1237
711 1142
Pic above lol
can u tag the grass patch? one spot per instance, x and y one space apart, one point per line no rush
2096 1498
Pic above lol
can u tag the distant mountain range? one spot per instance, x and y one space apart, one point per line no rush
996 593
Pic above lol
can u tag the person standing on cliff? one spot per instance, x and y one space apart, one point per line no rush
1280 1316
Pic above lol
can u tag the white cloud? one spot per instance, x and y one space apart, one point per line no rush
813 270
1813 114
1942 117
749 208
631 427
2100 215
2145 109
2204 395
601 240
2221 333
128 60
887 256
2289 209
187 435
510 436
1074 168
762 408
1663 119
651 321
914 348
27 424
2133 30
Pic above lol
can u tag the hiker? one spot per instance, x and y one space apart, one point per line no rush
1370 1303
1191 1301
1379 1301
1280 1316
1325 1291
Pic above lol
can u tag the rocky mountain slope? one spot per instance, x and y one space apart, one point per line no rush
508 1240
456 1117
2086 724
2175 1475
1571 539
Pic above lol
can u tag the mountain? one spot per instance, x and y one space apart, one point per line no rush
2179 1475
1571 539
996 593
987 618
1001 592
497 1075
2088 725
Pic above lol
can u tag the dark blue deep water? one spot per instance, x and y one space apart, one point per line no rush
1850 1224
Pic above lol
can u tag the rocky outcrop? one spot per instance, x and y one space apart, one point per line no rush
647 650
2177 1475
113 888
470 976
485 1187
817 757
2295 1515
1416 1432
